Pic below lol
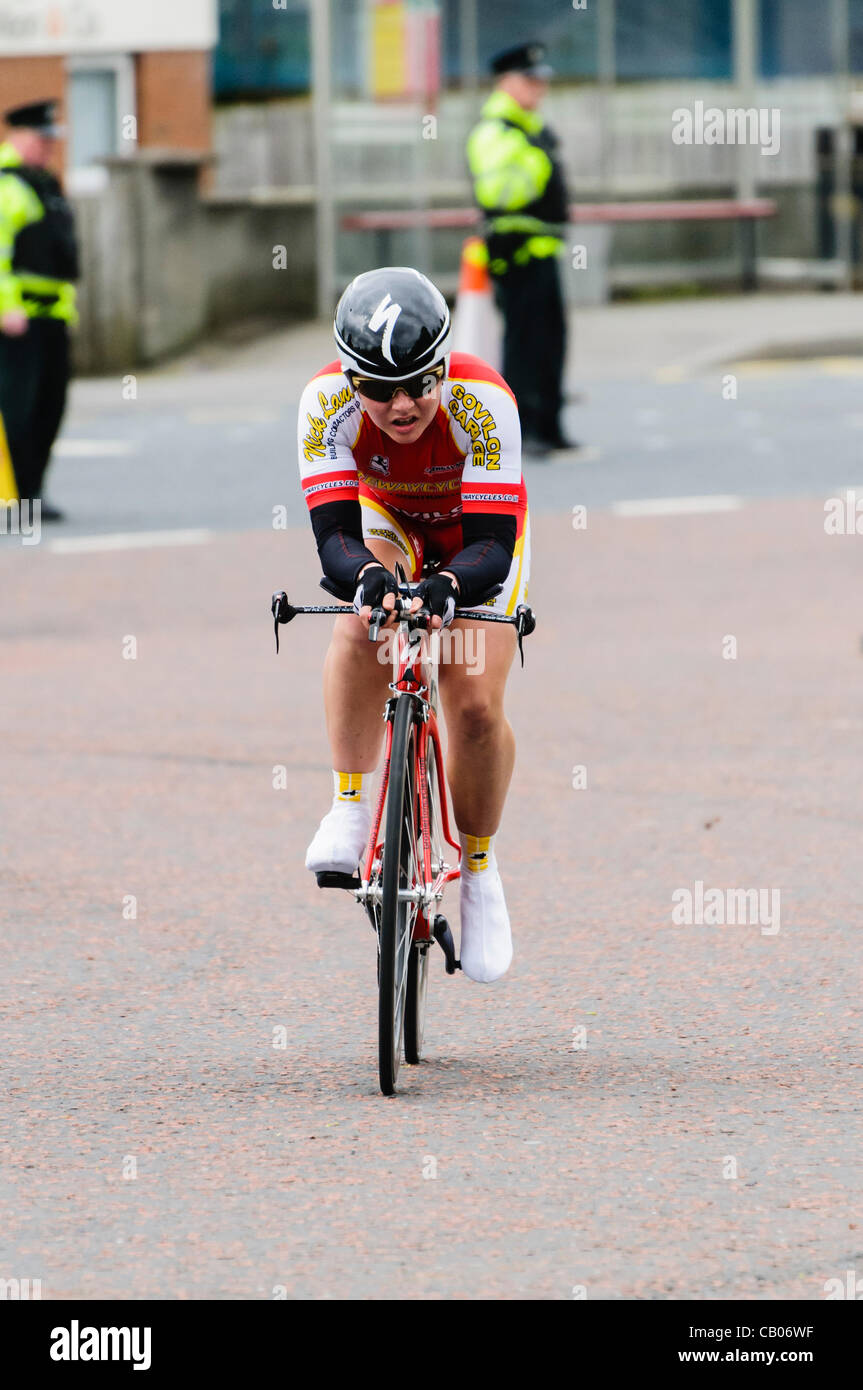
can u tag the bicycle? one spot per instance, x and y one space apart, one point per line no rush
403 872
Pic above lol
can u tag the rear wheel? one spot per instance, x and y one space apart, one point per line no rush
401 874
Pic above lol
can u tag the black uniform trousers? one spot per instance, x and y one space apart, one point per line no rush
34 376
534 344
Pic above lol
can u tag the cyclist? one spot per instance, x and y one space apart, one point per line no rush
409 454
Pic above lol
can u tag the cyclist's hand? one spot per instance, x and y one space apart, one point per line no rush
439 594
376 588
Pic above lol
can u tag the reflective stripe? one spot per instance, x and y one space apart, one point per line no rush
62 293
535 248
19 208
518 224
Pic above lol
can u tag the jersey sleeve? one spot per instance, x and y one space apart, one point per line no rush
328 426
485 426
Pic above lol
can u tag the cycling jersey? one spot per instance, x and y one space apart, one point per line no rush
456 493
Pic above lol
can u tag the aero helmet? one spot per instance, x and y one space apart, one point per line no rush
391 324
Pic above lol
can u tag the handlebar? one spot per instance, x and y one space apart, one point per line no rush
283 611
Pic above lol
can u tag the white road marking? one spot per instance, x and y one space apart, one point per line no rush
93 448
126 540
841 366
676 506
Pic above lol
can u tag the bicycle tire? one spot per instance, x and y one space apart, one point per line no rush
418 969
396 917
415 1003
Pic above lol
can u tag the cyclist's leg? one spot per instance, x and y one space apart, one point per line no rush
355 677
481 744
355 689
480 741
481 753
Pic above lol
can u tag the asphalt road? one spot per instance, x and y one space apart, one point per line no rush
211 442
641 1109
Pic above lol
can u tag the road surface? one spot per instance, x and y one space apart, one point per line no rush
642 1108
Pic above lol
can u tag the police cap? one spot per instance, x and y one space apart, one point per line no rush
528 58
36 115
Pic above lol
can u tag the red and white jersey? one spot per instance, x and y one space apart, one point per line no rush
468 459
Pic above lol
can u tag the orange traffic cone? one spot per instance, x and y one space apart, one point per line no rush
476 326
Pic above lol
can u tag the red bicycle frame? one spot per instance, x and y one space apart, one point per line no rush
422 689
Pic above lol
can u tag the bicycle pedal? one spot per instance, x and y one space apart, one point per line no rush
330 878
442 934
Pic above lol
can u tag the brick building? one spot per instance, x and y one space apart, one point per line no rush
128 75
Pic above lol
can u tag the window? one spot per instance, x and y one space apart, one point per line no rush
795 38
676 39
100 101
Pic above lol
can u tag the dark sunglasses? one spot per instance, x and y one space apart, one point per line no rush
382 391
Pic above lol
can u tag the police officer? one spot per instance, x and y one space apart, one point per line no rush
519 185
38 264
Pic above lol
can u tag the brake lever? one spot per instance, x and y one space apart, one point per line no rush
282 612
525 624
378 617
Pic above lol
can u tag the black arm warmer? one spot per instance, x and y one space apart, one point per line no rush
489 540
338 528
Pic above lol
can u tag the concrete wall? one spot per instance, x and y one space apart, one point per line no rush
621 146
163 265
616 148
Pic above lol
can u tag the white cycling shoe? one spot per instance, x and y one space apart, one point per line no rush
486 939
340 839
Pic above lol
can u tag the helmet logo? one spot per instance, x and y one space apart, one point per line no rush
384 317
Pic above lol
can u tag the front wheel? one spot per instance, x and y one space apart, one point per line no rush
418 970
401 875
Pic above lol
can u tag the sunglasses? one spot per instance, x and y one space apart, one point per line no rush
382 391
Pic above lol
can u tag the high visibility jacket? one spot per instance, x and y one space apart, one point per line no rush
38 250
518 183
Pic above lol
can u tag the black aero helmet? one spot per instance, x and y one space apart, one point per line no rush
391 324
